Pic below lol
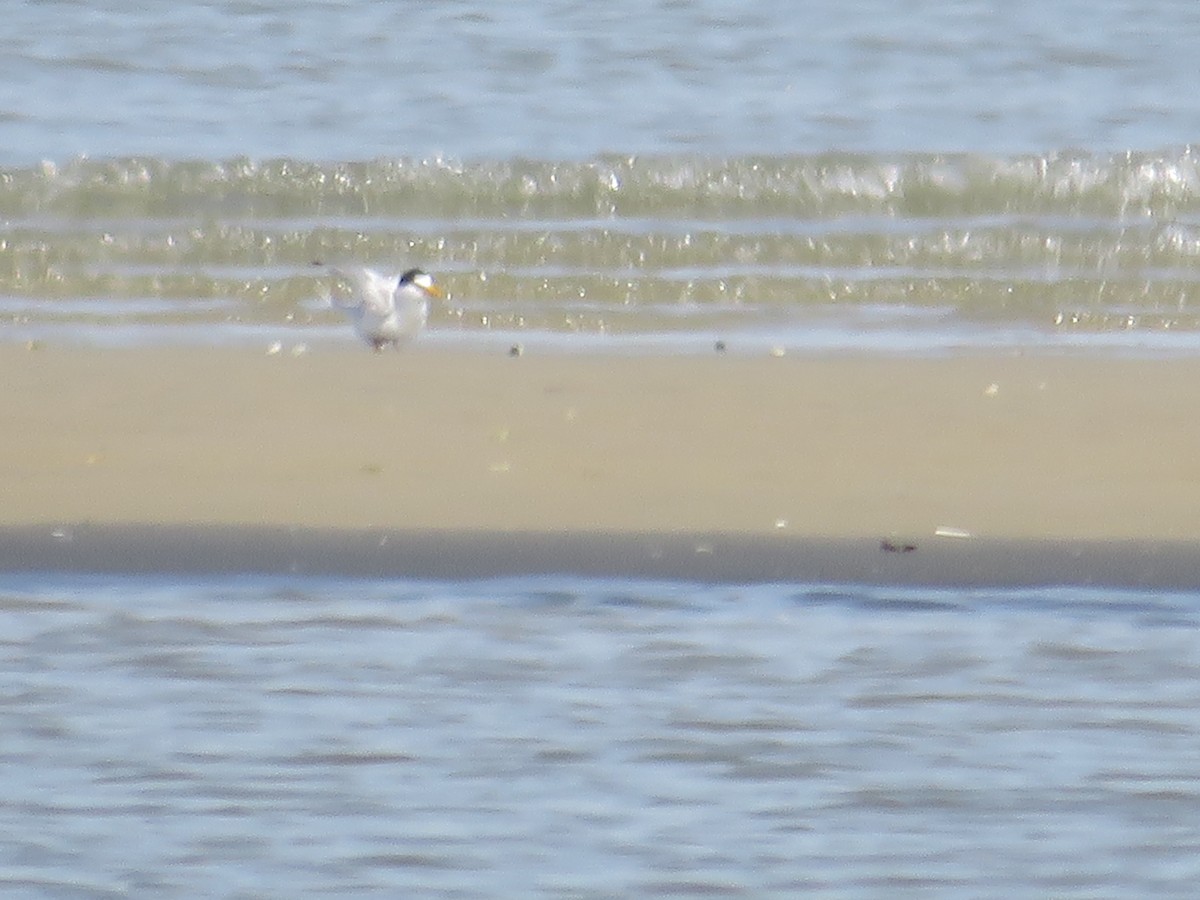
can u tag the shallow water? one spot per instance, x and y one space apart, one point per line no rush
602 738
822 176
886 253
565 79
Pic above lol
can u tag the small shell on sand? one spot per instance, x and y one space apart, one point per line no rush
949 531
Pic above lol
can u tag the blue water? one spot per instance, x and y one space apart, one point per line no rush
820 175
576 738
568 79
897 176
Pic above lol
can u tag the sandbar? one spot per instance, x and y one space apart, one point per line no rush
884 458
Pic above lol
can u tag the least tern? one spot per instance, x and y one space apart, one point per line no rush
385 309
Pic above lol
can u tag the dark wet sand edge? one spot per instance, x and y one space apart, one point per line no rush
202 551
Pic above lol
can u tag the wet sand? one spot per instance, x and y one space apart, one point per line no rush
711 558
1082 458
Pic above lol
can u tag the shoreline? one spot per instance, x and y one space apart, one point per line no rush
214 551
1040 456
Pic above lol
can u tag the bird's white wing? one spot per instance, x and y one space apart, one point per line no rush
364 291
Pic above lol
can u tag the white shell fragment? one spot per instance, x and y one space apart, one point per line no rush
949 531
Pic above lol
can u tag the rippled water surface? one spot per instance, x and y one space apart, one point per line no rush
891 253
817 175
553 737
335 80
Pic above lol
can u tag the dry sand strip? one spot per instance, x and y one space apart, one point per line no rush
182 551
859 448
